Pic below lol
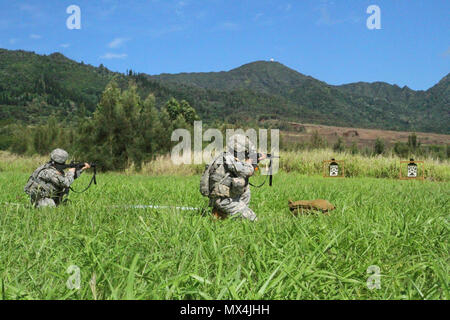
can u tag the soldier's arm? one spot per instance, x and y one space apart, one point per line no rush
239 168
57 179
78 172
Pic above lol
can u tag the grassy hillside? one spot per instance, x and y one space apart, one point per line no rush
34 86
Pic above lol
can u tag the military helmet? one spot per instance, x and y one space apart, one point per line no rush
59 156
239 143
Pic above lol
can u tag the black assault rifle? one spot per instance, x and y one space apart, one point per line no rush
270 157
78 166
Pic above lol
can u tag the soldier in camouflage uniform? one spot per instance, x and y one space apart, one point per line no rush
228 184
48 183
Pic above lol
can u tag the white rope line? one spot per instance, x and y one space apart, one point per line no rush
151 206
136 206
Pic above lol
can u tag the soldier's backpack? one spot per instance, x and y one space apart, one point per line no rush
221 182
33 187
204 181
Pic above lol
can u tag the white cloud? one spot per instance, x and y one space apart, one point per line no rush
106 13
34 11
284 7
110 55
13 40
27 7
257 16
324 18
201 14
228 26
263 20
65 45
117 42
326 8
179 8
35 36
167 30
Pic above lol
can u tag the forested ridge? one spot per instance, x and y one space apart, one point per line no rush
33 87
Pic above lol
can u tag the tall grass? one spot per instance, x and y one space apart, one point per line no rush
18 163
308 162
163 165
400 226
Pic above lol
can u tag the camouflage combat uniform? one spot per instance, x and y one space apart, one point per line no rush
47 185
229 186
239 200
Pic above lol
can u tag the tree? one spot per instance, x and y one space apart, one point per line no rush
379 146
173 108
339 146
189 113
100 138
125 130
148 126
354 148
316 141
413 144
401 149
163 133
129 114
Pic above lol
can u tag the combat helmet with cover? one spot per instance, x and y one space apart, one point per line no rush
241 146
59 156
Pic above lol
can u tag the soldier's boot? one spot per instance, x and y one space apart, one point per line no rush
217 214
45 202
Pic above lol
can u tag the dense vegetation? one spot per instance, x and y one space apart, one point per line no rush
119 120
127 252
124 129
369 105
32 87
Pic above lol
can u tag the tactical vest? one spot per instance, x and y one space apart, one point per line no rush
217 182
35 187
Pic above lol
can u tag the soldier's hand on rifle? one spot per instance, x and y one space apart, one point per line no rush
249 161
72 170
262 157
86 166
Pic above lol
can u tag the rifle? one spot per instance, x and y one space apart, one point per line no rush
79 166
256 166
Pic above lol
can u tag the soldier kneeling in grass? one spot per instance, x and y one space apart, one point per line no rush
48 183
225 180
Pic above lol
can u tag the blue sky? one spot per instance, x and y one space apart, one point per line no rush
326 39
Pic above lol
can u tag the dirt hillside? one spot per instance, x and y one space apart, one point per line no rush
363 137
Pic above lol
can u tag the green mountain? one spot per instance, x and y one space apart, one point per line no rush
370 105
34 86
261 76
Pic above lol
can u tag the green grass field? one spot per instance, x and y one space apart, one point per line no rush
126 253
